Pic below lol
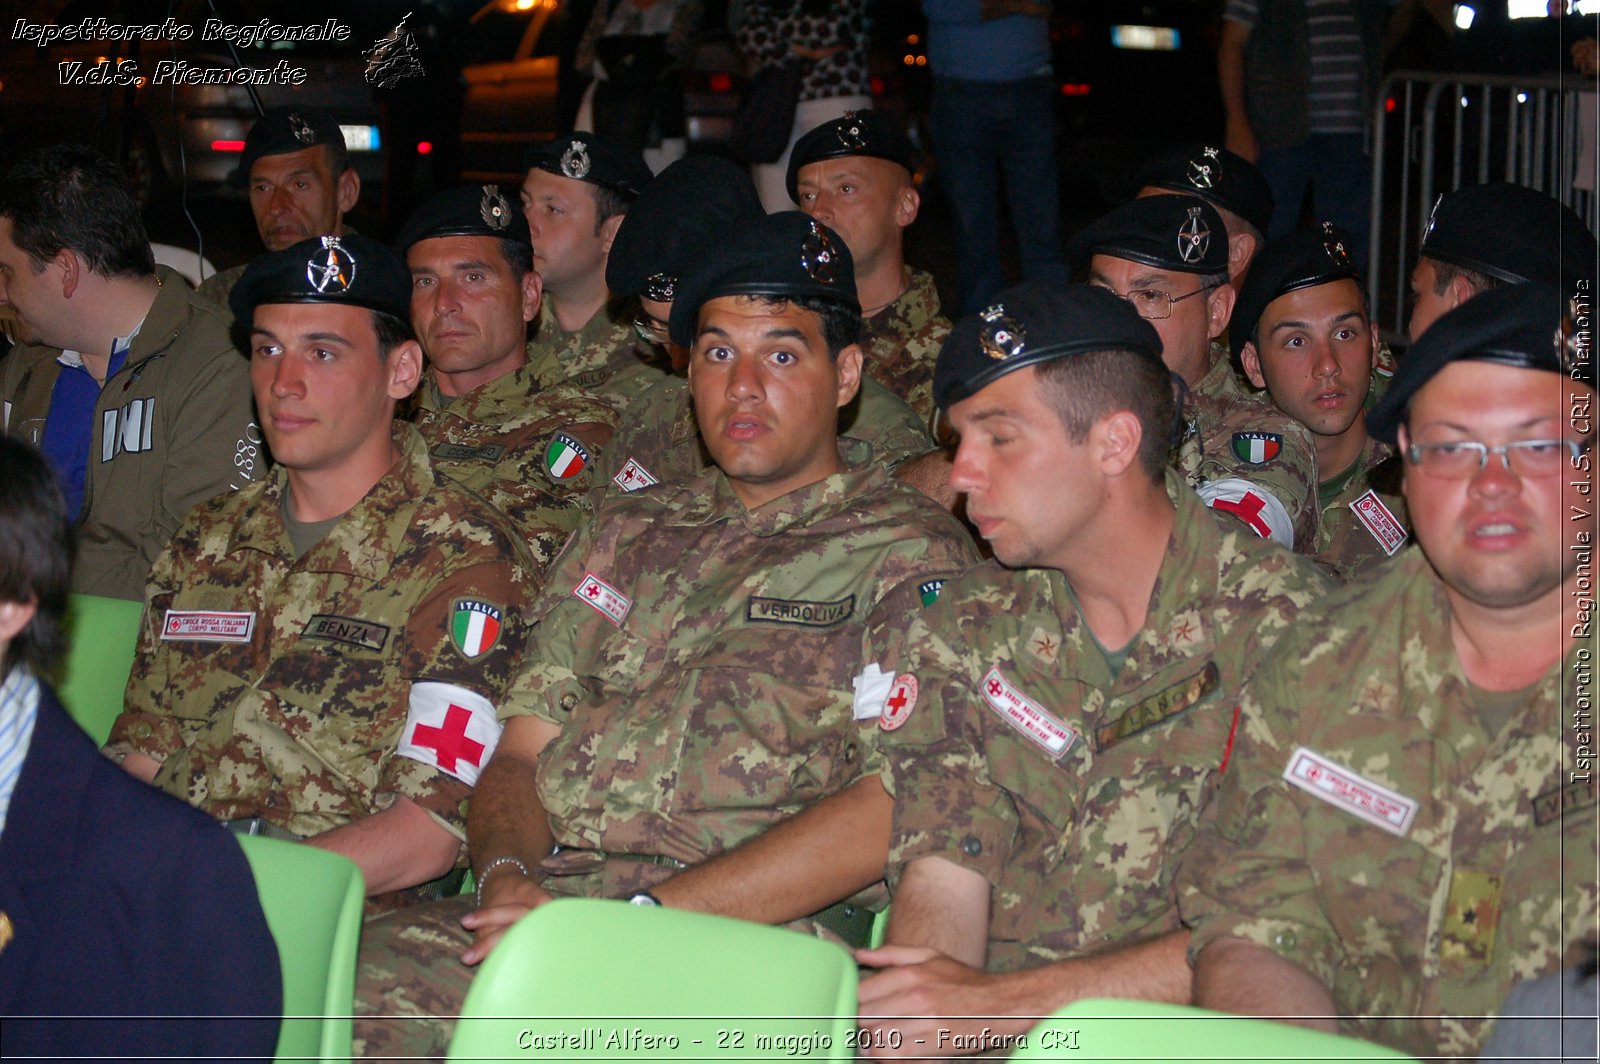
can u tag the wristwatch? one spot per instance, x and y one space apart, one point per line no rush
645 898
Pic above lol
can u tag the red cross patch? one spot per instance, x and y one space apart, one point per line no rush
450 728
902 700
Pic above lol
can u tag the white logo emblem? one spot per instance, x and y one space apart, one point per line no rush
332 272
1201 169
575 161
1193 241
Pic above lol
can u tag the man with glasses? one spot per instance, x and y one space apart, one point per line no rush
1302 332
1168 256
530 450
1407 830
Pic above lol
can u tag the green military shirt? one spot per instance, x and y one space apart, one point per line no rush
605 358
1364 519
530 451
901 343
1071 786
315 691
659 438
700 659
1415 843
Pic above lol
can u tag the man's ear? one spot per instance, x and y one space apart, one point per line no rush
1116 438
906 206
1250 358
608 231
848 365
532 294
1461 290
349 190
1241 246
71 270
405 369
1220 306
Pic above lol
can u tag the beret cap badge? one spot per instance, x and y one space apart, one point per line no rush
575 161
494 208
818 255
1201 169
331 268
661 287
301 128
1337 252
1002 337
1193 240
852 132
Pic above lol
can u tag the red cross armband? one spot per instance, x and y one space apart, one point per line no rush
450 728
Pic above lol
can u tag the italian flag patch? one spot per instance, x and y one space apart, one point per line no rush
1257 448
565 457
474 627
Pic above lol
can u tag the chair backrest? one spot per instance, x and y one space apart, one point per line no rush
312 900
103 634
1105 1029
582 978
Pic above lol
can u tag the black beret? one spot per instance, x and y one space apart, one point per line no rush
1510 232
784 255
287 129
352 270
1302 259
589 157
857 133
474 210
1217 176
1521 325
1180 233
693 205
1032 323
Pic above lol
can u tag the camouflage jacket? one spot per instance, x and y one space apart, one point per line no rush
605 358
1073 790
902 344
1418 845
1221 380
271 687
216 287
659 438
1365 522
699 658
530 451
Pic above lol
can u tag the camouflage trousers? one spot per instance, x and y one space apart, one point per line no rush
410 981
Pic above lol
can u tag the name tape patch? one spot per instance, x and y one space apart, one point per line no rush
1163 705
610 602
799 611
1555 804
633 476
1036 723
458 452
208 626
1355 794
1380 521
351 630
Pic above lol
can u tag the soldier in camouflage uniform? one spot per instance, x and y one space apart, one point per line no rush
1062 711
1408 826
1302 331
854 175
575 194
1166 255
324 653
530 451
711 648
674 225
298 176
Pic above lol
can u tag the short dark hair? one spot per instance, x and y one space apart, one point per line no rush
71 196
1445 273
841 322
392 332
36 548
338 157
607 203
1082 389
518 256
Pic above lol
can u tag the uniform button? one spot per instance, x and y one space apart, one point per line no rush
141 730
569 700
850 754
971 846
1285 940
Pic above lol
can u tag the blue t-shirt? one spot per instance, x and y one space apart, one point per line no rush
69 426
962 45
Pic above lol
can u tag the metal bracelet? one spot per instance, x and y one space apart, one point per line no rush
483 877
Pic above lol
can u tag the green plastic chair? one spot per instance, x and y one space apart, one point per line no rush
312 900
1105 1030
585 979
104 633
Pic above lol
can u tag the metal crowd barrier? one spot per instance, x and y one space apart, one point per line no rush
1435 132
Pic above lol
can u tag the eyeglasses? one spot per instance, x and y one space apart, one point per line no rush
652 331
1152 303
1460 459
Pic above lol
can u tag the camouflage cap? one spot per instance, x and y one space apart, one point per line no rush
1215 174
691 206
1527 326
783 255
1033 323
1511 233
1184 234
593 158
1302 259
282 130
474 210
353 270
868 133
